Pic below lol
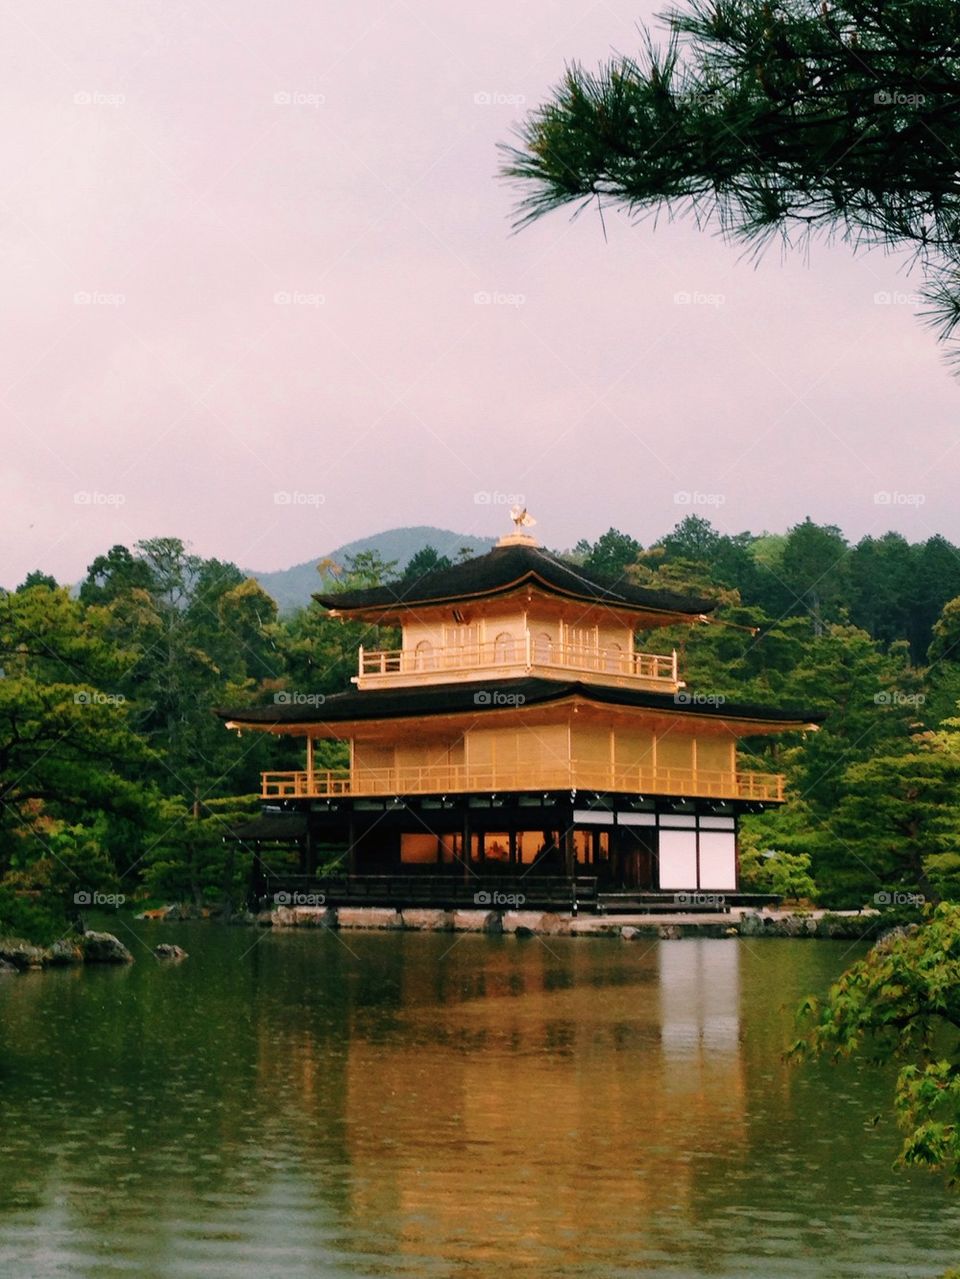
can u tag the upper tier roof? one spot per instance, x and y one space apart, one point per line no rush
505 569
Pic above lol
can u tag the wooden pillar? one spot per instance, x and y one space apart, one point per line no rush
569 857
310 851
466 850
351 842
569 863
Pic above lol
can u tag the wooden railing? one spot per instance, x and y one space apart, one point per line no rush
522 652
441 779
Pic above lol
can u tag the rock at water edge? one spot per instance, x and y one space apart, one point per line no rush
166 950
104 948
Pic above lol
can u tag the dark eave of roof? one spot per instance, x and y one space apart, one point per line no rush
482 696
273 827
507 568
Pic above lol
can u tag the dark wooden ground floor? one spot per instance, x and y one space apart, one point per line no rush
430 848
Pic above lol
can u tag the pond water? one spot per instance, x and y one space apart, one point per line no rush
364 1104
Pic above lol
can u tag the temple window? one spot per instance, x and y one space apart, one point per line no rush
542 645
424 659
503 648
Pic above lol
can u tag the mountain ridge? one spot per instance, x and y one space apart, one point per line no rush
293 587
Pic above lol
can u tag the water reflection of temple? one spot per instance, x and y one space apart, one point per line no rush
506 1076
700 1002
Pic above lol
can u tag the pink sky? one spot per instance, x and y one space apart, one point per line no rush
173 171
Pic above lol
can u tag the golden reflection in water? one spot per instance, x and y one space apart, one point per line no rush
522 1092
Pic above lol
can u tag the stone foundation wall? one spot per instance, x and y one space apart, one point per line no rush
534 923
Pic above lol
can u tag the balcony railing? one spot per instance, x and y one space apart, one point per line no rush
522 654
442 779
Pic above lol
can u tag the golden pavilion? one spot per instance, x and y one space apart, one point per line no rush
517 745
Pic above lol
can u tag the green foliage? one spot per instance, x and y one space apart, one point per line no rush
37 578
366 569
192 634
945 644
772 870
66 738
900 817
194 858
864 694
427 560
902 1003
611 555
786 121
113 574
814 569
51 874
34 918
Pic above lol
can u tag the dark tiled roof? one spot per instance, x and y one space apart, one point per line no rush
506 568
480 696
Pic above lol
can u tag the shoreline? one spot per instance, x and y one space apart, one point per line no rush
737 922
20 956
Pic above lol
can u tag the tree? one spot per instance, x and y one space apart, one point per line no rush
790 121
319 653
882 592
902 1001
871 702
192 634
427 560
611 555
114 573
211 581
937 581
730 560
366 569
246 644
814 569
771 870
899 820
37 578
945 644
694 538
71 762
870 698
942 677
197 858
658 571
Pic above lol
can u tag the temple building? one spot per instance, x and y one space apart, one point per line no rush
516 741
